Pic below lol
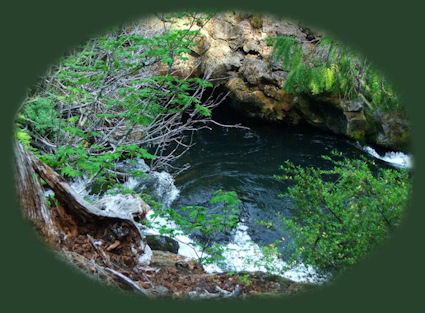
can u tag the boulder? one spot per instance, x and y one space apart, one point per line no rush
162 243
166 260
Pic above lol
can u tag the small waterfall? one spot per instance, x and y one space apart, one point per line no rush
158 184
241 253
396 159
165 189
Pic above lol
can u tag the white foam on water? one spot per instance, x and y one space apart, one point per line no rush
162 183
131 183
241 254
165 189
397 159
187 246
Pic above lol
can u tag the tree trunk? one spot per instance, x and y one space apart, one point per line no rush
31 194
75 227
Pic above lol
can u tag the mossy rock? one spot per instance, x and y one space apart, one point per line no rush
256 21
359 135
162 243
100 188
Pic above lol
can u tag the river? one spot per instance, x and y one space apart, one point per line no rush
245 161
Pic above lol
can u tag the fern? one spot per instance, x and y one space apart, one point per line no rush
40 114
288 50
343 73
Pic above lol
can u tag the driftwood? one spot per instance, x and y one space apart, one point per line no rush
112 242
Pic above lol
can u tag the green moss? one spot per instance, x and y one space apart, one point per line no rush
359 135
256 21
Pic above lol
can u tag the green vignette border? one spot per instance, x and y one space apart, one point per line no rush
34 277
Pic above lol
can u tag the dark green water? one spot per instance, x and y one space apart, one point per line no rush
245 161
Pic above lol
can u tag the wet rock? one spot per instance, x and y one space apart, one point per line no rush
277 93
394 132
357 126
162 243
270 104
310 112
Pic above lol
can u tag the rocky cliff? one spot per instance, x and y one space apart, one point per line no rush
233 51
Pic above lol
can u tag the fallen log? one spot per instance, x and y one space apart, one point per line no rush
74 225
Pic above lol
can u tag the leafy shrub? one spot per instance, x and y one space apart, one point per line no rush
341 214
23 137
98 108
208 221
